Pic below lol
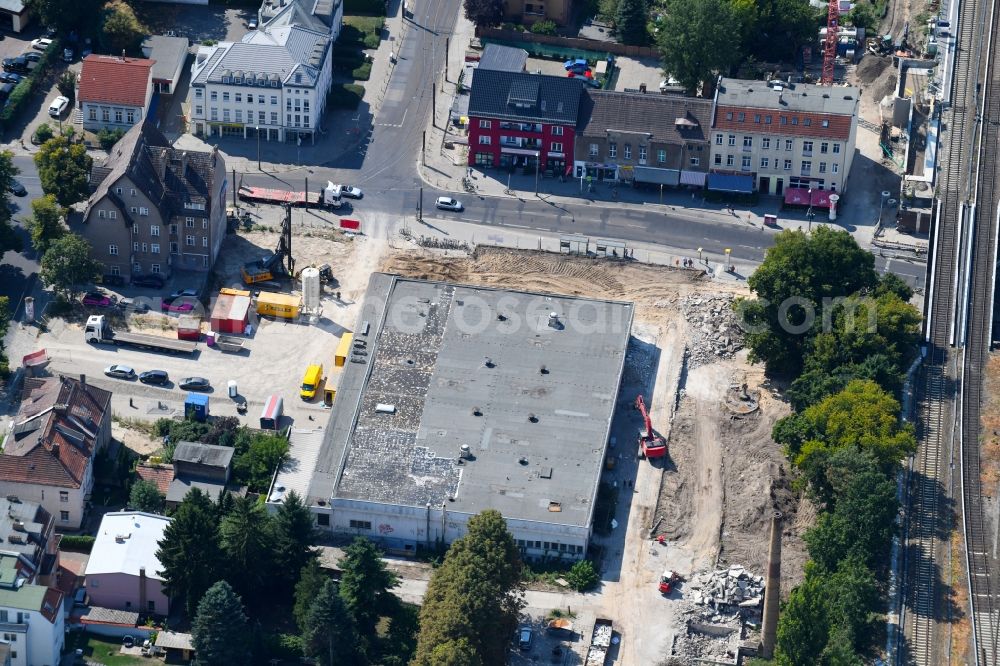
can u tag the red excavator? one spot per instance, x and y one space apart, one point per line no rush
651 445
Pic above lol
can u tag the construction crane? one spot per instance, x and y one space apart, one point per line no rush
651 445
830 45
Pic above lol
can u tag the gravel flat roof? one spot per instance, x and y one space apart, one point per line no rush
436 366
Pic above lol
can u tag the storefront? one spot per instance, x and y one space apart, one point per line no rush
729 182
596 171
655 176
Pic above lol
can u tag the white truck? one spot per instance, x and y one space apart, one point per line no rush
98 331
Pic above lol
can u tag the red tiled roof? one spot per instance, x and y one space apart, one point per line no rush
52 604
159 475
115 80
839 126
66 581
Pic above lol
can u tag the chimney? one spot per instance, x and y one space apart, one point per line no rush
772 592
184 163
164 156
123 54
55 449
83 379
215 155
142 590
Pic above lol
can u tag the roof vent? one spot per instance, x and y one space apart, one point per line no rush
554 320
543 370
532 418
501 316
19 526
476 411
465 452
522 460
383 408
488 362
555 507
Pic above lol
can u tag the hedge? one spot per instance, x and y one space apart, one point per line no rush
366 7
363 72
76 544
30 83
345 96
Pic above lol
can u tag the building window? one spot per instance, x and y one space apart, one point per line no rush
155 268
746 162
113 214
214 96
204 224
764 162
144 248
197 93
788 144
154 248
593 150
288 104
261 117
113 250
730 160
795 120
64 516
718 160
323 519
249 98
173 229
189 240
788 165
836 149
102 214
807 148
767 120
557 130
225 115
274 100
214 113
822 167
824 148
274 117
4 616
189 222
484 139
305 121
807 121
741 117
93 113
137 267
642 153
835 167
204 241
143 211
154 230
628 151
360 525
239 115
825 123
204 261
199 110
174 249
612 150
718 139
135 246
784 120
765 142
661 156
225 97
238 97
756 118
729 115
806 167
130 117
695 161
748 142
484 124
732 139
556 147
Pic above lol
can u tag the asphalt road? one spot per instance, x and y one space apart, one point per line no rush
18 268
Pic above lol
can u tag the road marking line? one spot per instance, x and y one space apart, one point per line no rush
519 226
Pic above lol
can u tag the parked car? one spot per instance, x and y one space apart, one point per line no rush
17 189
119 371
41 43
195 384
18 64
524 636
159 377
11 77
31 56
131 304
153 280
184 292
183 304
128 641
97 299
112 280
252 23
351 192
447 203
67 55
58 106
5 91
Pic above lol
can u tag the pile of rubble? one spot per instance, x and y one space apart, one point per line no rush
714 327
725 588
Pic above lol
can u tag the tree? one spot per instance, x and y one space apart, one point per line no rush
311 578
64 170
9 239
365 585
293 535
67 16
189 551
853 602
484 13
247 540
696 40
145 496
803 626
329 631
257 465
582 576
456 653
799 276
46 223
476 594
863 15
219 630
630 21
67 88
67 263
783 27
122 30
4 324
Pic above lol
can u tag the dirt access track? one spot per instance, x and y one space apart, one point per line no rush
713 498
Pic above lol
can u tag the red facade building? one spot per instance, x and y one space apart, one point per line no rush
518 119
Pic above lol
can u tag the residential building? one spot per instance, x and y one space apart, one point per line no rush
114 92
32 626
639 138
530 11
503 58
155 209
14 15
274 82
203 466
27 536
169 55
523 120
123 571
48 454
526 432
772 138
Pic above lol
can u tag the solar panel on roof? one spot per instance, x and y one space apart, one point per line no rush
523 93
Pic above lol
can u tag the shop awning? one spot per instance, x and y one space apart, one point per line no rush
729 182
800 196
693 178
657 176
519 151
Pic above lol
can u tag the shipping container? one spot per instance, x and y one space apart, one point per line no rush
330 390
278 305
343 349
196 407
270 416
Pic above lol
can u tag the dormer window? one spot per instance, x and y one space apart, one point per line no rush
274 84
543 105
238 81
226 79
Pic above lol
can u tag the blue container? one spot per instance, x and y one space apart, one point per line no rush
196 407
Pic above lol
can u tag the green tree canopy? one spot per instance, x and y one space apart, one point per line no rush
247 540
66 16
67 88
476 594
9 239
484 13
4 324
64 170
294 535
329 633
145 496
365 586
256 466
122 32
459 652
696 39
863 15
631 17
67 264
219 630
783 27
46 224
189 551
311 578
804 625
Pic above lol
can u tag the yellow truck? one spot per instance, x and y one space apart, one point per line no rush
311 382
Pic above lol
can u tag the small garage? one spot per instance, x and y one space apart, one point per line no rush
231 311
14 16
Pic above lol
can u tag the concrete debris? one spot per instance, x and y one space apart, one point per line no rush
727 587
714 327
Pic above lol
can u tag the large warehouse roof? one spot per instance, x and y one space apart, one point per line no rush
436 366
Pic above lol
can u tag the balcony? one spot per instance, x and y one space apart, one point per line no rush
522 127
517 142
807 153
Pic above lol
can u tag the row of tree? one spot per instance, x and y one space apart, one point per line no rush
114 25
823 315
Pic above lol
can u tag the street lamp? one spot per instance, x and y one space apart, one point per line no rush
258 147
699 256
729 266
809 213
881 203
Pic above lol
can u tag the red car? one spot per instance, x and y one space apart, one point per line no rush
98 300
178 304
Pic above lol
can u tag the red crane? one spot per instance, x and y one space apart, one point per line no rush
830 44
651 445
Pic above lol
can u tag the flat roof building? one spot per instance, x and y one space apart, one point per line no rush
456 399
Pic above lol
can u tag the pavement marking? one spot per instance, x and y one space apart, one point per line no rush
519 226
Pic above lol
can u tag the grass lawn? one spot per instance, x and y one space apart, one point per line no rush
362 30
103 650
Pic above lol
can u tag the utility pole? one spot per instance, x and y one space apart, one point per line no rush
423 147
433 105
234 187
420 206
538 165
258 149
447 41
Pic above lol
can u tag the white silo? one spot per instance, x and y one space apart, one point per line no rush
310 289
